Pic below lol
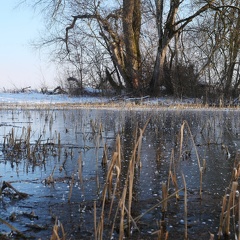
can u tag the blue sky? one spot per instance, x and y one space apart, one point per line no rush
21 65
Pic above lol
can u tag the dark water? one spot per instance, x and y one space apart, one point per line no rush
69 134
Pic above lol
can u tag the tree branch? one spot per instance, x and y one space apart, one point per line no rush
72 25
105 24
185 21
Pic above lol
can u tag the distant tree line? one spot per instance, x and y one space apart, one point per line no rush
186 48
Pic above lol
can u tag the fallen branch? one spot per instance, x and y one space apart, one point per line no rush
9 185
13 228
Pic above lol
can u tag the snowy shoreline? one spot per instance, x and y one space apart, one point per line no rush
35 100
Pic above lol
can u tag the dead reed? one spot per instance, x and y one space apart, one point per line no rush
124 205
58 230
71 188
172 174
185 209
230 207
183 126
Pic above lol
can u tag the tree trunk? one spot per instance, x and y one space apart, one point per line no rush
131 30
158 72
165 33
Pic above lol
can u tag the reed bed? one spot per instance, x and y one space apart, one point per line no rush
113 211
122 198
230 216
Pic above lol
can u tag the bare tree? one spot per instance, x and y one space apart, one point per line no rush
130 51
167 29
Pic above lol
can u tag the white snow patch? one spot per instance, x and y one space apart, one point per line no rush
35 97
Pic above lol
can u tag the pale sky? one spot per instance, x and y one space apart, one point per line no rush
20 65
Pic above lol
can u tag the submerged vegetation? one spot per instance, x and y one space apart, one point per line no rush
104 174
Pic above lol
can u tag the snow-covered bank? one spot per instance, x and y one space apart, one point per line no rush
39 98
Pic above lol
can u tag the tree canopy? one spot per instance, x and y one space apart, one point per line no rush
144 46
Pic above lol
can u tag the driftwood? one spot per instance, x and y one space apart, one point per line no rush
9 185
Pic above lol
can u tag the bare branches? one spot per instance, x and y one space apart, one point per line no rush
187 20
72 25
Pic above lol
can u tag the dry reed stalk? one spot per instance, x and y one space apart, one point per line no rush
122 211
116 163
201 173
185 208
95 219
110 173
229 207
115 188
28 135
63 232
158 232
138 160
158 154
80 171
55 235
106 190
110 180
211 236
71 188
166 236
12 228
185 123
100 129
136 219
135 133
59 140
174 181
234 188
238 218
93 126
164 197
172 175
131 218
224 203
118 150
12 138
105 154
100 227
131 169
130 175
23 133
128 185
204 165
170 166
